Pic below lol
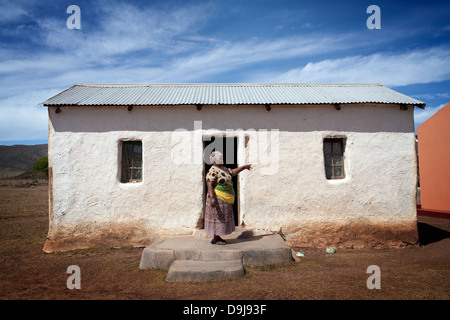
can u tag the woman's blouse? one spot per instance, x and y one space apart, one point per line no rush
221 176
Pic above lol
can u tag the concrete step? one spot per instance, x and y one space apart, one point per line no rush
195 270
195 254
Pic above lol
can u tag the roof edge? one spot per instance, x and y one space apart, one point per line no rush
224 84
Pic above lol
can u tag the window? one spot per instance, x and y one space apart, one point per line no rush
333 152
131 161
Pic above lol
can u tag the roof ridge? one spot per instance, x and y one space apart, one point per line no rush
280 84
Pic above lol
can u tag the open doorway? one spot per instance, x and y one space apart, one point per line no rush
228 147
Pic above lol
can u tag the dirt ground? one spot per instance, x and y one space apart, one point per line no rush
26 272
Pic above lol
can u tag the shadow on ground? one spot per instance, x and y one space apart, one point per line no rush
430 234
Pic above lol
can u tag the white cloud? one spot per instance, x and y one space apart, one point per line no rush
11 11
46 63
56 69
227 56
431 96
21 118
123 28
421 115
420 66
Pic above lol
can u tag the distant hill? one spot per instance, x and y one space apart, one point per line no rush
18 159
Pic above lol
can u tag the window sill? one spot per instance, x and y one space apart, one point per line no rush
130 184
338 181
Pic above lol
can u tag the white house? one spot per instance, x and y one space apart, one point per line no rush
333 164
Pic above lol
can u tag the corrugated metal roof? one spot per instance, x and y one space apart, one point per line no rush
227 94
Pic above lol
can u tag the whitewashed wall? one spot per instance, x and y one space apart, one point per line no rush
374 204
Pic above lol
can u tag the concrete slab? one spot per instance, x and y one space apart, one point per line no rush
173 253
256 250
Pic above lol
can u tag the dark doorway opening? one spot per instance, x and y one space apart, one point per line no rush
228 147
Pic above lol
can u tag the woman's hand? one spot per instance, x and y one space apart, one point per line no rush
248 166
211 194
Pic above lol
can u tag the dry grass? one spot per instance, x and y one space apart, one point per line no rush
32 181
26 272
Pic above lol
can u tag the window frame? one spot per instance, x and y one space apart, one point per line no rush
329 158
127 176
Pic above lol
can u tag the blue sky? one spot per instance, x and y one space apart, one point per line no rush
215 41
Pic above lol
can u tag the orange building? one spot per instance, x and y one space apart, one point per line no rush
434 163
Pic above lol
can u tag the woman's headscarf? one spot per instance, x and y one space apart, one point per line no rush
216 157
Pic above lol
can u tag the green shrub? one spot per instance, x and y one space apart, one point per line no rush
41 165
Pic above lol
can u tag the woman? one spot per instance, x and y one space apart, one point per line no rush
219 217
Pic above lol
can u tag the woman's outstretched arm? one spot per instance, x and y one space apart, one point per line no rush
236 171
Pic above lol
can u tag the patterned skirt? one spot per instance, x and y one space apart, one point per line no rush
219 220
